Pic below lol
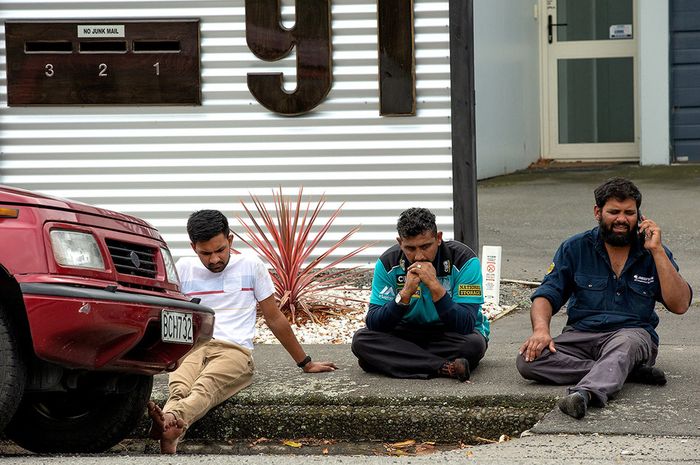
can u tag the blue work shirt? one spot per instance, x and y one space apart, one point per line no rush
598 300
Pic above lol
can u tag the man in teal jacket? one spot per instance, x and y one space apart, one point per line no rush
424 318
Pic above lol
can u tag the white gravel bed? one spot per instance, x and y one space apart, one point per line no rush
339 330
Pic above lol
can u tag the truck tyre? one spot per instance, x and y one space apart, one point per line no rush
13 373
79 420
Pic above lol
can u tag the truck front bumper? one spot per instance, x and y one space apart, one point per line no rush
97 329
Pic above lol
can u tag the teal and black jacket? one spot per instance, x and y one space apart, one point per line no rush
459 310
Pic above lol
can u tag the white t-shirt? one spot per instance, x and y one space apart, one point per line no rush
232 293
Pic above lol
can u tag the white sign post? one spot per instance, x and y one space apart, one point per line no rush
491 272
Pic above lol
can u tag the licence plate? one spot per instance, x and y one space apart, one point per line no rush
176 327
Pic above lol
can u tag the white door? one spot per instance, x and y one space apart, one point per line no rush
589 93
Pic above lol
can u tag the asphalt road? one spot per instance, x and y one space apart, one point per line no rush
541 450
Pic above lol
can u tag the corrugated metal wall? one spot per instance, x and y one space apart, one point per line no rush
161 163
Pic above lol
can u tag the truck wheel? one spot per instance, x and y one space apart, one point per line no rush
80 420
13 373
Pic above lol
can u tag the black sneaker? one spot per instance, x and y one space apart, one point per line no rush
648 375
458 369
575 404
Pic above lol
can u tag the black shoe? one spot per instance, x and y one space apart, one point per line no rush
575 404
458 369
648 375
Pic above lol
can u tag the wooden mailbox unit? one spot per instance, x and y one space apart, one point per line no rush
103 62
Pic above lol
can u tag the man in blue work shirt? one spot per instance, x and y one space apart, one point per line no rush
612 276
424 318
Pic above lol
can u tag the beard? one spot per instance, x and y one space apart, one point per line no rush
617 239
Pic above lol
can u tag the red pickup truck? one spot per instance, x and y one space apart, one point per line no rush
90 310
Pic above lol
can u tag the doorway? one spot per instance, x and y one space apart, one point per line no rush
589 80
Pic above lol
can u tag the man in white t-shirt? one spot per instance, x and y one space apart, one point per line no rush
233 285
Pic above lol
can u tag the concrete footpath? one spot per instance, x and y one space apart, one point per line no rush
528 214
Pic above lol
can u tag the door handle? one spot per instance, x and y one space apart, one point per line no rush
550 28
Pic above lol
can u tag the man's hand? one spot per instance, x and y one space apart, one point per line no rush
412 279
652 234
675 290
535 344
425 272
319 367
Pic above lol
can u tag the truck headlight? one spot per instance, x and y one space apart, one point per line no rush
169 266
72 248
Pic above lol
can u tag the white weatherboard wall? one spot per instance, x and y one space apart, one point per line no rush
161 163
507 86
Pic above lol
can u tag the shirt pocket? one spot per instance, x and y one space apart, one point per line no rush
590 291
642 298
232 283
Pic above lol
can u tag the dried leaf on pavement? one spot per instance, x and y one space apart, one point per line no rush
258 441
425 448
403 444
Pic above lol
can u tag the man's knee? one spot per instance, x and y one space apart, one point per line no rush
360 340
524 368
630 341
472 347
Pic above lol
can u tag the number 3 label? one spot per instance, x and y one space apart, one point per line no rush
49 70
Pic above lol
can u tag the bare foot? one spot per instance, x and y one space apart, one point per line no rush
174 429
157 420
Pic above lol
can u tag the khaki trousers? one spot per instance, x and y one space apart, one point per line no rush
207 377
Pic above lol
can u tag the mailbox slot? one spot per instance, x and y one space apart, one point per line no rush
48 46
156 46
103 46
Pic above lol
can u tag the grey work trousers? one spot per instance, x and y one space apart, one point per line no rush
596 362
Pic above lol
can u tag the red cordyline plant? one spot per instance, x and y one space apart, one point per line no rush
286 241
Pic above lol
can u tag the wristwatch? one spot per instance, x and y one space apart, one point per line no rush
304 362
398 300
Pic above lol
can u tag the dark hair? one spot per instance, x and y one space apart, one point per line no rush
618 188
202 225
415 221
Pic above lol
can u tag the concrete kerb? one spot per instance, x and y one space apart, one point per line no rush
349 404
354 406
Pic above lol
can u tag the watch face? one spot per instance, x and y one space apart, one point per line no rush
398 300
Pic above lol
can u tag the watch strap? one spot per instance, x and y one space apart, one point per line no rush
304 362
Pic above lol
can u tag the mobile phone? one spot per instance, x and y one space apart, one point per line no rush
639 230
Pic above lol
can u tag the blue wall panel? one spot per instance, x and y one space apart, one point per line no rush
685 79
